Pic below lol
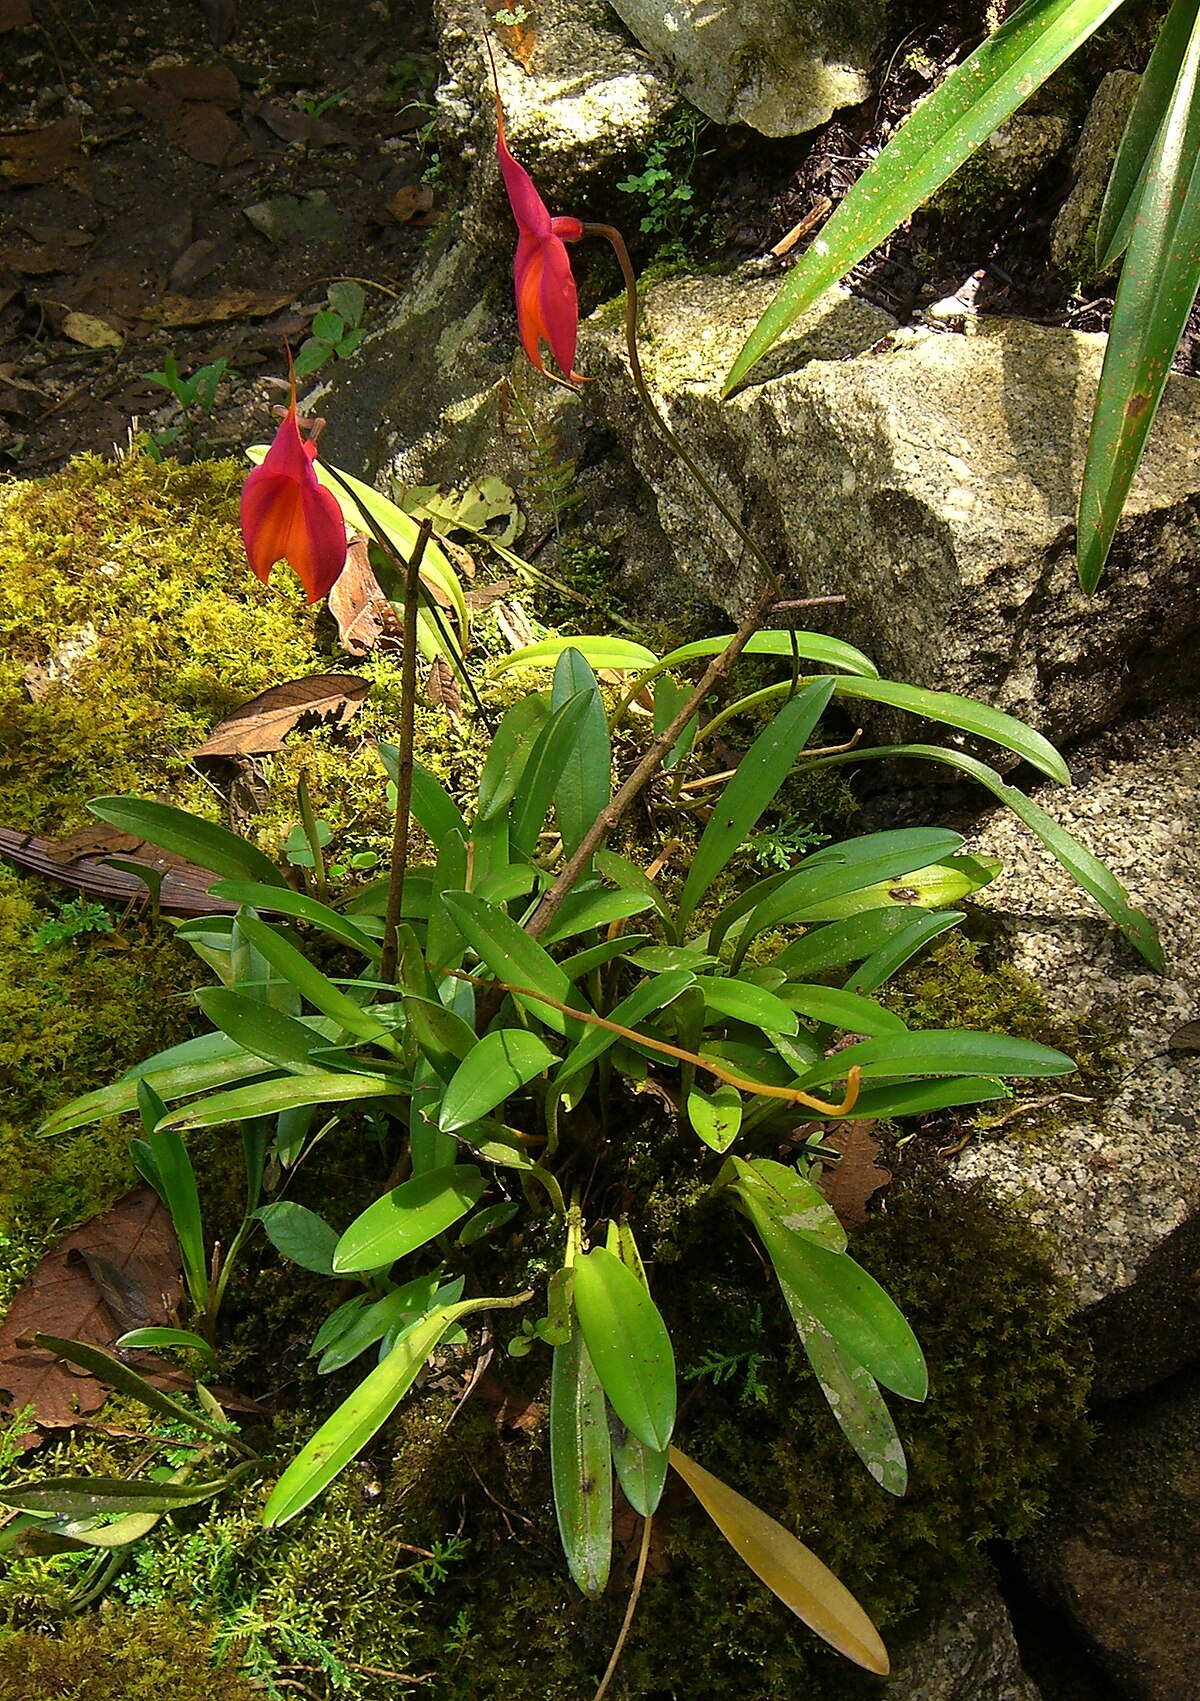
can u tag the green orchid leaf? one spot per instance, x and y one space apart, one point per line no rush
941 132
598 652
212 1061
366 1410
833 945
877 969
716 1117
300 1234
259 1028
759 776
792 1573
403 1308
741 1001
965 715
432 804
512 742
1087 869
585 782
628 1344
509 953
169 1171
792 1200
845 1299
651 995
283 1093
581 1465
188 836
936 1051
408 1217
547 759
444 1038
853 1397
809 646
500 1064
281 900
914 1098
112 1371
836 1008
1158 284
581 911
151 1339
307 979
92 1497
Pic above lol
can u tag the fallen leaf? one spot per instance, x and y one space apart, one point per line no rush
519 40
284 218
14 15
293 126
249 794
261 725
364 616
40 156
856 1177
135 1249
410 201
90 331
220 19
215 83
214 309
1186 1038
482 596
97 838
513 622
205 133
511 1410
183 891
441 688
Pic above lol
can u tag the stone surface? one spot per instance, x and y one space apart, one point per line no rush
997 175
1073 235
780 66
932 480
966 1653
1116 1187
589 97
1118 1552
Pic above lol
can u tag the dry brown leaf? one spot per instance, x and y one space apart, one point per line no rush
90 331
441 688
513 622
856 1177
215 83
261 725
410 201
14 15
483 596
205 133
41 156
365 618
214 309
97 838
134 1251
511 1410
184 888
519 40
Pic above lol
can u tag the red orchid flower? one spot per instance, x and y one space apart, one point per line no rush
287 515
547 308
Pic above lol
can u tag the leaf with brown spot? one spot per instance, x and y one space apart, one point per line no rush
441 688
261 725
90 331
180 310
134 1246
364 616
856 1177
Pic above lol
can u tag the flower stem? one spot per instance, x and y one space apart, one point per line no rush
404 771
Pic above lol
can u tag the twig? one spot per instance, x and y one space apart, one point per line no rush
639 779
634 1594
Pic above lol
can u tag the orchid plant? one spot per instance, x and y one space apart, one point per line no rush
501 1006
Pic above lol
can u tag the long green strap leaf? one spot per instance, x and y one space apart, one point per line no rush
581 1465
940 133
1155 295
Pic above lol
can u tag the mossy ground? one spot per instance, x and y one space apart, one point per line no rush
337 1603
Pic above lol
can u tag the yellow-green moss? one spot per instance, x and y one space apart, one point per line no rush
119 1655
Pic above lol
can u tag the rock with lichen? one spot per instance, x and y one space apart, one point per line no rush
781 68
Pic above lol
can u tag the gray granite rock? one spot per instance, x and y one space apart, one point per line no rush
780 66
1116 1186
1118 1551
1073 235
965 1653
931 479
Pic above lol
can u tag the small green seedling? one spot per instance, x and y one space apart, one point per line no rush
336 330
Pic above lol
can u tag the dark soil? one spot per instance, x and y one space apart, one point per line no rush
136 139
142 154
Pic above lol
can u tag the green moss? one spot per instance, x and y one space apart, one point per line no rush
120 1655
951 986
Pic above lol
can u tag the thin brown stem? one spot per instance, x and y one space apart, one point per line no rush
613 236
646 769
634 1596
404 771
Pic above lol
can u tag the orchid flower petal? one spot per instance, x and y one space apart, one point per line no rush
287 515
